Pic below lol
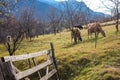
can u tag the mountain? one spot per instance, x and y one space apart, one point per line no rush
93 16
43 7
51 3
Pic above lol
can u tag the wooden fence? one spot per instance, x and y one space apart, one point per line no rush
9 72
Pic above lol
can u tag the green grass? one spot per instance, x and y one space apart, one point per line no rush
81 61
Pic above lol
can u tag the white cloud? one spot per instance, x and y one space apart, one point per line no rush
97 5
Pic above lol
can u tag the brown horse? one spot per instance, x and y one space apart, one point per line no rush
95 28
76 35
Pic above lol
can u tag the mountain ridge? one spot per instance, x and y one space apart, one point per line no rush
42 8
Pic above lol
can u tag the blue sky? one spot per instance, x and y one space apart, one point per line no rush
95 5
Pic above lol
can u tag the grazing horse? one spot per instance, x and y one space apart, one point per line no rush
76 35
95 28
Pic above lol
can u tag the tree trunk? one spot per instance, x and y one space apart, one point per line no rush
117 24
54 30
96 37
117 17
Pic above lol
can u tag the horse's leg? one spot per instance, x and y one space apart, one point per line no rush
71 37
80 38
88 34
91 35
96 37
75 39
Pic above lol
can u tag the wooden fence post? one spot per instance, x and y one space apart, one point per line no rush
7 70
54 60
53 55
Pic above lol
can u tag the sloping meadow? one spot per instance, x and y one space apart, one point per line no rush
81 61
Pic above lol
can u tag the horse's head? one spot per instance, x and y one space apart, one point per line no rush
103 33
81 39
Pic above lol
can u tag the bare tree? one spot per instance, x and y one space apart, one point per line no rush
54 19
9 27
74 13
13 30
114 11
14 35
27 21
69 13
41 27
6 10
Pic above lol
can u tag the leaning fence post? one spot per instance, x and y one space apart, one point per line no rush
54 60
53 55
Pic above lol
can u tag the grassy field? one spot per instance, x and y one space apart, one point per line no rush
80 61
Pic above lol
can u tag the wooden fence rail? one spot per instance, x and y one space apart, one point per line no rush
9 72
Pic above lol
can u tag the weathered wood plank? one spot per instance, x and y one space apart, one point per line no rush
50 74
17 70
25 56
30 71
